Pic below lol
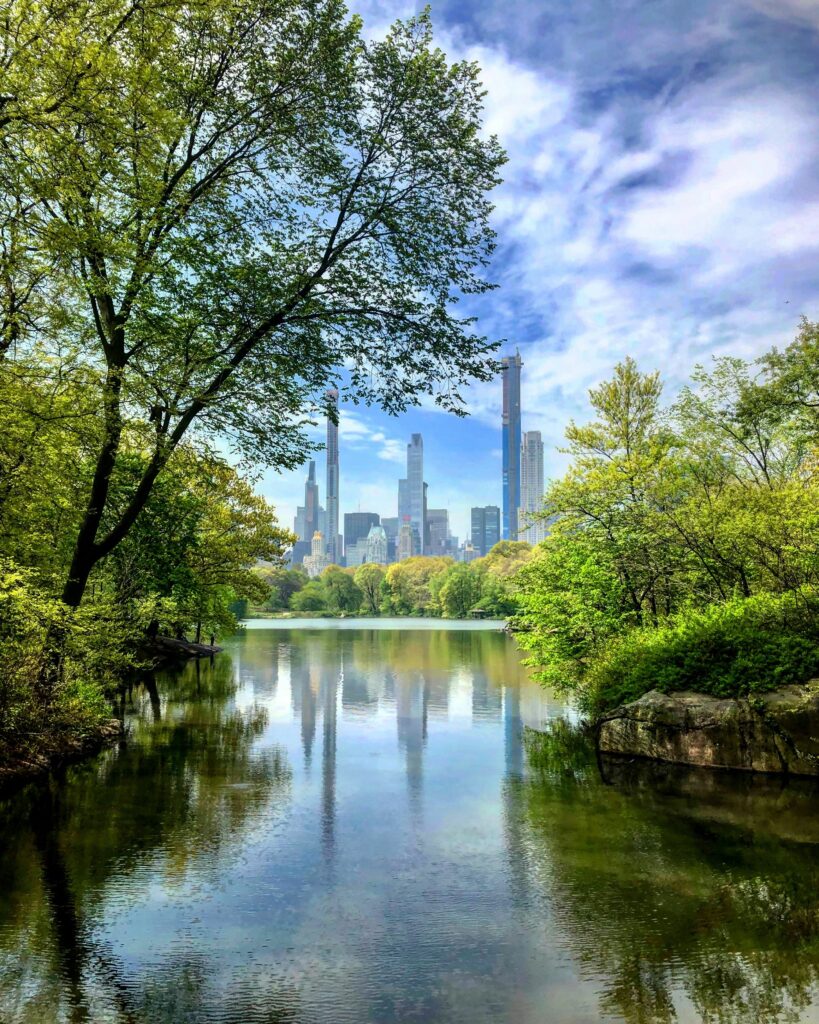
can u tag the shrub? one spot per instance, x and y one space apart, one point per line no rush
32 722
732 649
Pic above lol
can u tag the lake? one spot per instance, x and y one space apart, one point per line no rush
349 821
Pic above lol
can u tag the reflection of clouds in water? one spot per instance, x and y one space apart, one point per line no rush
346 828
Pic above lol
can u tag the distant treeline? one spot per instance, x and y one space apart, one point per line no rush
430 586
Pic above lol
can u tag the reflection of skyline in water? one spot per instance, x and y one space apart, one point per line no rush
344 827
371 675
331 673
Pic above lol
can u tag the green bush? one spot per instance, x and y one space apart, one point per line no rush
733 649
34 721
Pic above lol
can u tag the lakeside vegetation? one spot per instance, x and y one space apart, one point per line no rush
209 215
684 546
420 586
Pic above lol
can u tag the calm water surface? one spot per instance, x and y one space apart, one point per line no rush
350 824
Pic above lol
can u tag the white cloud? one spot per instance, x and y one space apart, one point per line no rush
665 251
659 197
800 11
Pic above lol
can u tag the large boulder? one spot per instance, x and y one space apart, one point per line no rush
773 732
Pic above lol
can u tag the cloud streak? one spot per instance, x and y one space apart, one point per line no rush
660 200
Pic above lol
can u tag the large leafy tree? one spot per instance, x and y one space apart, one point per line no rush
683 549
368 578
218 207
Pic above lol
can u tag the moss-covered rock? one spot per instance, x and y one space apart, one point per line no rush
773 732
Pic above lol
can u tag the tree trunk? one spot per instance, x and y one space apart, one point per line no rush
86 553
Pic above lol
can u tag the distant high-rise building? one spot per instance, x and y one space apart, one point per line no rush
377 545
531 488
425 521
485 522
468 553
415 488
311 504
437 531
309 518
317 561
511 366
406 541
356 554
332 534
357 526
390 524
299 524
403 501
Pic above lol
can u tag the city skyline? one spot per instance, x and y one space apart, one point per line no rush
658 203
418 529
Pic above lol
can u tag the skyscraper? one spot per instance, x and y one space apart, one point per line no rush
510 371
308 519
415 488
485 522
357 526
531 488
332 535
437 531
403 501
406 542
317 561
377 545
391 524
311 503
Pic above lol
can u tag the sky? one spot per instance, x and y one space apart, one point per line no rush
661 200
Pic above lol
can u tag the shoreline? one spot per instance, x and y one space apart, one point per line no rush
386 622
21 770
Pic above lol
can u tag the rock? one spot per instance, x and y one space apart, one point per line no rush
772 732
170 649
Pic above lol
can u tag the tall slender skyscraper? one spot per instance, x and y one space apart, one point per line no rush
333 539
511 443
415 488
311 503
531 488
308 519
403 501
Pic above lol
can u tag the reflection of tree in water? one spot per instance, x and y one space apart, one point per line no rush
179 991
183 793
659 891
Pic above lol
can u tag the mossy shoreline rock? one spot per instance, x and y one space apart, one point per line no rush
772 732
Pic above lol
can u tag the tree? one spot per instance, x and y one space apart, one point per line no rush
342 593
791 379
683 549
283 584
226 208
407 586
196 542
311 598
460 591
368 578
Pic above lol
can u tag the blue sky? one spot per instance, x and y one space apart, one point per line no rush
661 201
